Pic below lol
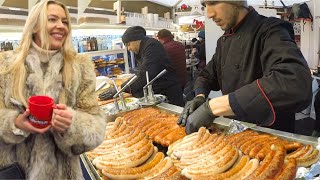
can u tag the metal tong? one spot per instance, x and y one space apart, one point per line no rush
120 93
147 89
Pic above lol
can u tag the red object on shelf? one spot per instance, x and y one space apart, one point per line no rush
184 6
199 24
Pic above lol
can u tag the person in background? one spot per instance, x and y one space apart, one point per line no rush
201 53
45 63
258 67
195 45
176 53
316 129
151 57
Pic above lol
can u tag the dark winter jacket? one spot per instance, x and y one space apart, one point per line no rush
153 58
177 56
263 71
201 55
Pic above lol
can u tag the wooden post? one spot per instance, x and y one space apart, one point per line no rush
31 3
117 7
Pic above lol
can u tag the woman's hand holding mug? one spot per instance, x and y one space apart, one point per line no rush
22 122
43 114
62 118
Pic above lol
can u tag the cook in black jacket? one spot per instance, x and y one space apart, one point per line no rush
261 72
151 57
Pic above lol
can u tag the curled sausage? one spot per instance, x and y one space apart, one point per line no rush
288 170
132 173
235 169
276 163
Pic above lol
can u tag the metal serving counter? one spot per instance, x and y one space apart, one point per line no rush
220 122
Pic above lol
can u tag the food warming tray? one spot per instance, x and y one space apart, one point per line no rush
220 123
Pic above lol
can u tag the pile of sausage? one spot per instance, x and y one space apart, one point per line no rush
128 153
245 155
257 146
160 126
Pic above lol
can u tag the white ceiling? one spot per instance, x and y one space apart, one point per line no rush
250 2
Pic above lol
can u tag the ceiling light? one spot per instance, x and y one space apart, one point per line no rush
14 9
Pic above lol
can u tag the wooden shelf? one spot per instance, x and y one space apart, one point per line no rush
113 26
105 52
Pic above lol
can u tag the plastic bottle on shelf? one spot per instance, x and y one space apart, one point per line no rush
104 43
92 44
95 43
99 43
84 44
80 46
109 45
15 44
2 47
88 44
75 44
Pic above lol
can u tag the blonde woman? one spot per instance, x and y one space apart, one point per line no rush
46 64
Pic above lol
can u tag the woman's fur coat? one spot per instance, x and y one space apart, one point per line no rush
52 155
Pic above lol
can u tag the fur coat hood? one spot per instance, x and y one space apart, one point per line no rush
52 155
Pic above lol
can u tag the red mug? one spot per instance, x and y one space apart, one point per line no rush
41 108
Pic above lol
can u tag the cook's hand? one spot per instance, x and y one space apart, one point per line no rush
22 122
189 108
202 117
62 118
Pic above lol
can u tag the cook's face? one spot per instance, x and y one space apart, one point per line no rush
133 46
57 27
223 14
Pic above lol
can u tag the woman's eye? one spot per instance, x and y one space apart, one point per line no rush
65 22
51 19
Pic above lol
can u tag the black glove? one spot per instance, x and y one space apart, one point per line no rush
108 94
189 108
203 116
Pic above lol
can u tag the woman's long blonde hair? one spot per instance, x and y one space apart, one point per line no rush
37 22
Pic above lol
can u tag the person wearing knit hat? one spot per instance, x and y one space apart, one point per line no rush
132 36
242 3
257 66
226 13
150 56
176 53
133 33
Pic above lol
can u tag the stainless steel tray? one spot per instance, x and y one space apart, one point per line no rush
94 175
220 123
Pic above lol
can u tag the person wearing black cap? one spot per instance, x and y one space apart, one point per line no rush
258 67
151 56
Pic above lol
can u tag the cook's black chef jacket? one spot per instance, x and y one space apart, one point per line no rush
262 69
